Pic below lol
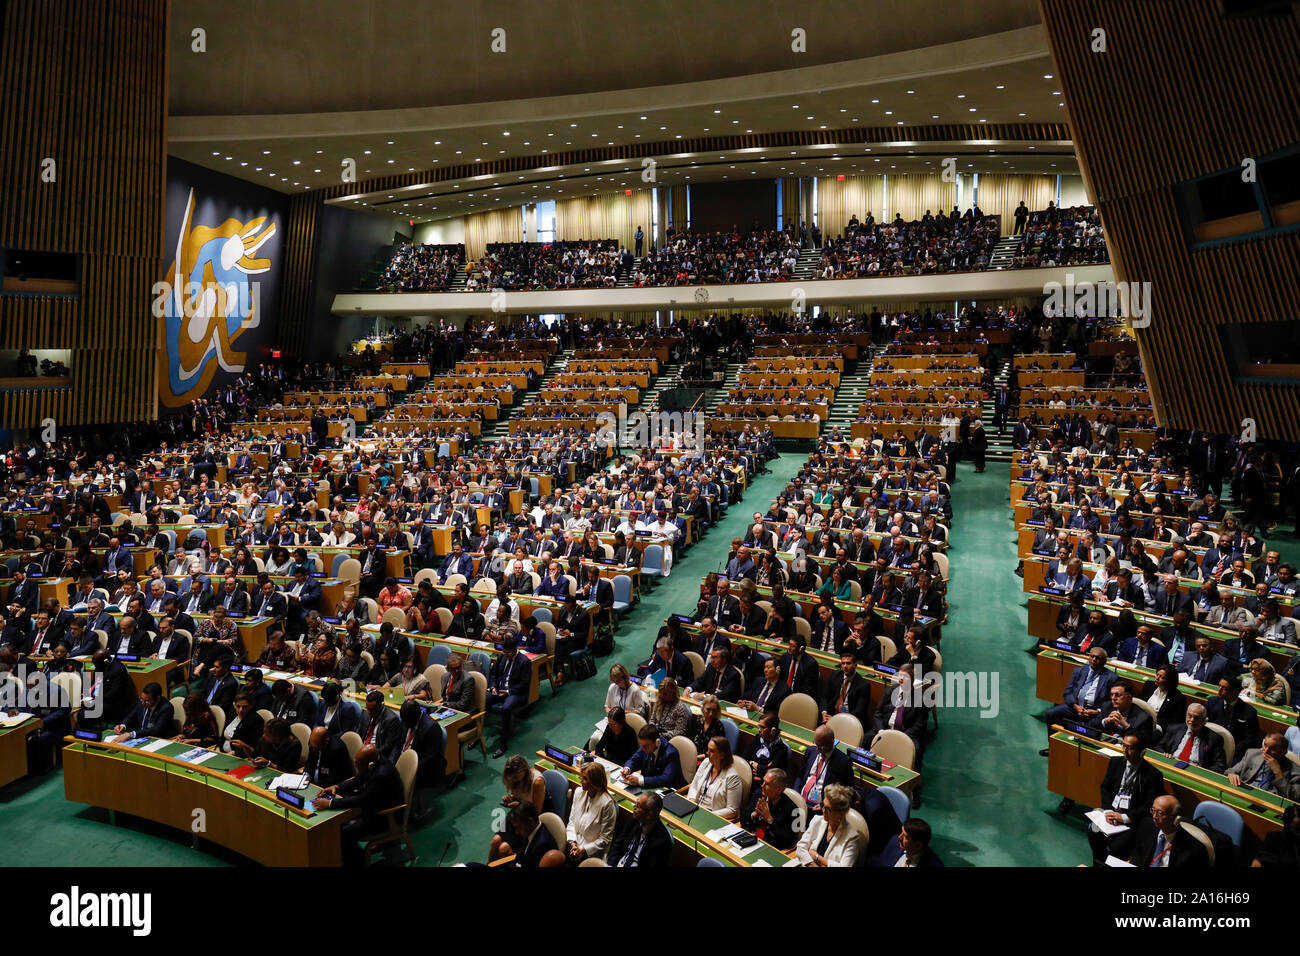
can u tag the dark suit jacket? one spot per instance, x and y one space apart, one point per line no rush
1215 668
656 850
177 650
277 607
778 755
236 603
347 716
680 670
1173 711
1242 721
139 644
1186 851
1212 755
889 856
516 682
119 692
725 685
774 697
430 745
838 769
1155 653
389 733
858 701
161 722
914 718
376 790
250 729
781 832
805 676
541 844
1139 722
225 693
328 766
1148 785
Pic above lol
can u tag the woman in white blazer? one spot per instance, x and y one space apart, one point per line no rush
592 817
717 785
830 839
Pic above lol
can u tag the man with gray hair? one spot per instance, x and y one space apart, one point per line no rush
1195 743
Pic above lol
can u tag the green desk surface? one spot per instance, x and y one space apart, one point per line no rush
214 771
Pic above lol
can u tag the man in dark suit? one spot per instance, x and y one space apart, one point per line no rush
709 639
424 735
1088 688
828 630
375 788
799 672
822 765
766 691
643 840
1267 768
720 677
222 685
112 694
1143 650
1205 665
1127 791
534 836
380 726
23 592
767 749
667 659
130 639
655 763
335 712
912 842
722 606
303 595
153 716
234 598
456 563
43 636
295 704
770 814
924 599
1160 841
1169 600
1233 714
268 602
847 692
328 763
196 599
1121 716
168 644
1192 742
507 691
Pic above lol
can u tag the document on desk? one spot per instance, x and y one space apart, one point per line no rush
1098 819
288 781
277 675
1116 861
196 755
725 832
155 745
736 712
303 679
601 725
15 720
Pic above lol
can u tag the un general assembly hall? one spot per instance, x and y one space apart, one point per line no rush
496 436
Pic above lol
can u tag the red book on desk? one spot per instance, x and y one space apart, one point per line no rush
242 771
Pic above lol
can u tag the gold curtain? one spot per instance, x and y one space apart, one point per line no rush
1000 193
678 201
499 225
790 200
838 201
910 196
607 216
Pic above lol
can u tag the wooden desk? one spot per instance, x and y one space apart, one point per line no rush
238 814
13 750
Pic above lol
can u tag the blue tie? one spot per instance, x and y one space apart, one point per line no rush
1160 849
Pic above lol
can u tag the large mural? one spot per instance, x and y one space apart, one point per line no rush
218 298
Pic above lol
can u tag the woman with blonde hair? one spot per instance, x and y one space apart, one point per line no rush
668 713
717 785
831 839
592 817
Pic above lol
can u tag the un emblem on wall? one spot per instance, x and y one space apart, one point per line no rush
701 294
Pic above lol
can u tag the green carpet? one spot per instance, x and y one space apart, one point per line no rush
986 791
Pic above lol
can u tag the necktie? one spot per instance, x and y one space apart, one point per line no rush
844 693
762 698
789 682
1186 752
1264 779
898 713
1161 849
811 785
370 734
409 737
1199 673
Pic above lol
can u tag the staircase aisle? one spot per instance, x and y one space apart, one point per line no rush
1000 447
500 427
854 390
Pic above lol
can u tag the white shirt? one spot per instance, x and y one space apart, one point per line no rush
631 700
591 822
722 794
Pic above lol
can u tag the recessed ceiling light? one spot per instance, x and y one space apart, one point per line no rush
972 109
1022 114
216 152
911 91
242 163
1047 76
889 112
934 116
573 125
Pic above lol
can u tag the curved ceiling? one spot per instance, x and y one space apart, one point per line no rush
316 56
919 104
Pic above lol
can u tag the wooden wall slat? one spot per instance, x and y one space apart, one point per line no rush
1182 92
85 84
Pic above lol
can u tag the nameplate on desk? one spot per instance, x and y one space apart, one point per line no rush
296 800
1089 732
886 669
864 758
683 619
1048 589
560 756
86 734
35 574
1065 646
129 658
